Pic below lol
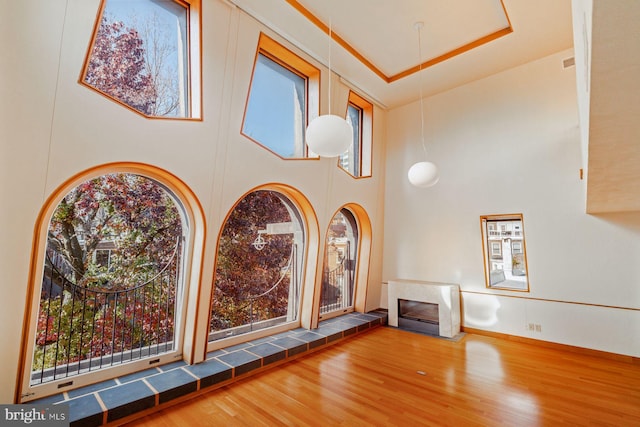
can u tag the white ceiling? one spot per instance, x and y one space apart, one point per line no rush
380 42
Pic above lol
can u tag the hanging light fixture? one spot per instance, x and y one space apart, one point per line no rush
329 135
422 174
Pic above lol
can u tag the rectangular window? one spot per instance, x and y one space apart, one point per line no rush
357 160
496 250
516 247
284 89
103 258
505 260
350 160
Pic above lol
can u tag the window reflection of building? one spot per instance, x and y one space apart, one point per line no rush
506 251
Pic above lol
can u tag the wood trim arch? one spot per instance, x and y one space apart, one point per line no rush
363 263
194 250
311 252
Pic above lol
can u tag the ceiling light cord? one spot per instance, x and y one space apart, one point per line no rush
330 43
418 26
328 135
422 174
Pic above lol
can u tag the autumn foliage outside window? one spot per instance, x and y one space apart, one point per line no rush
256 281
139 56
93 307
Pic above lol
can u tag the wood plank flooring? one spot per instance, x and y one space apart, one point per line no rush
389 377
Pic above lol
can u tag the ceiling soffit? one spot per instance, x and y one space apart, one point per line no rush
382 51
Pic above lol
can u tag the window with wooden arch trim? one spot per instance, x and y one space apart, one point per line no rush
259 264
346 258
92 317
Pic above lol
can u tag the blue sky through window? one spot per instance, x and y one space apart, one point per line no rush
275 113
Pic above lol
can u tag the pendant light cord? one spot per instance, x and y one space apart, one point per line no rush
418 26
330 42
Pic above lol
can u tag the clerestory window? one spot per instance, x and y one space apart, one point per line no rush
357 159
282 96
140 56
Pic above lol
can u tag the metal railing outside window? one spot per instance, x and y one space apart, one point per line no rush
81 329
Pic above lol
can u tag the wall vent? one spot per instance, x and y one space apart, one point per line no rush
569 62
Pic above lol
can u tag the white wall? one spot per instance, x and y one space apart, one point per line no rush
53 127
510 143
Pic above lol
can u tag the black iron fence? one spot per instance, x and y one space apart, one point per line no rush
82 329
337 286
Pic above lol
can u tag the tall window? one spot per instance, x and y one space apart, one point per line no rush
257 279
283 91
340 260
139 56
112 280
357 159
350 160
505 258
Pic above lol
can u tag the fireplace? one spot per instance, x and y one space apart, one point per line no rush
416 299
418 316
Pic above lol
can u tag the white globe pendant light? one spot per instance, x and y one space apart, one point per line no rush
423 174
329 135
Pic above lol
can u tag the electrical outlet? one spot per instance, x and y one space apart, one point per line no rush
533 327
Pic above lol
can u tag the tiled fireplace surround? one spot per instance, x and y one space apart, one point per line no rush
113 400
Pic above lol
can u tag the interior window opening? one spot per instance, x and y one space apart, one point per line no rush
505 252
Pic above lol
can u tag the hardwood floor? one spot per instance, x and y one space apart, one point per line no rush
391 377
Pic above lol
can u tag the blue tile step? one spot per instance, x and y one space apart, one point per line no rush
127 395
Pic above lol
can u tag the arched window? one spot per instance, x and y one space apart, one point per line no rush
340 261
258 266
111 293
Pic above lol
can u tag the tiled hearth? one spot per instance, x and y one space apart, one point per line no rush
121 397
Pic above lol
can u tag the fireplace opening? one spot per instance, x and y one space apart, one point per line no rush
418 316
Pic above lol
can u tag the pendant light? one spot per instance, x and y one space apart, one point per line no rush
422 174
329 135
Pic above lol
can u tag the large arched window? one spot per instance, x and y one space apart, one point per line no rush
340 261
258 266
110 295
